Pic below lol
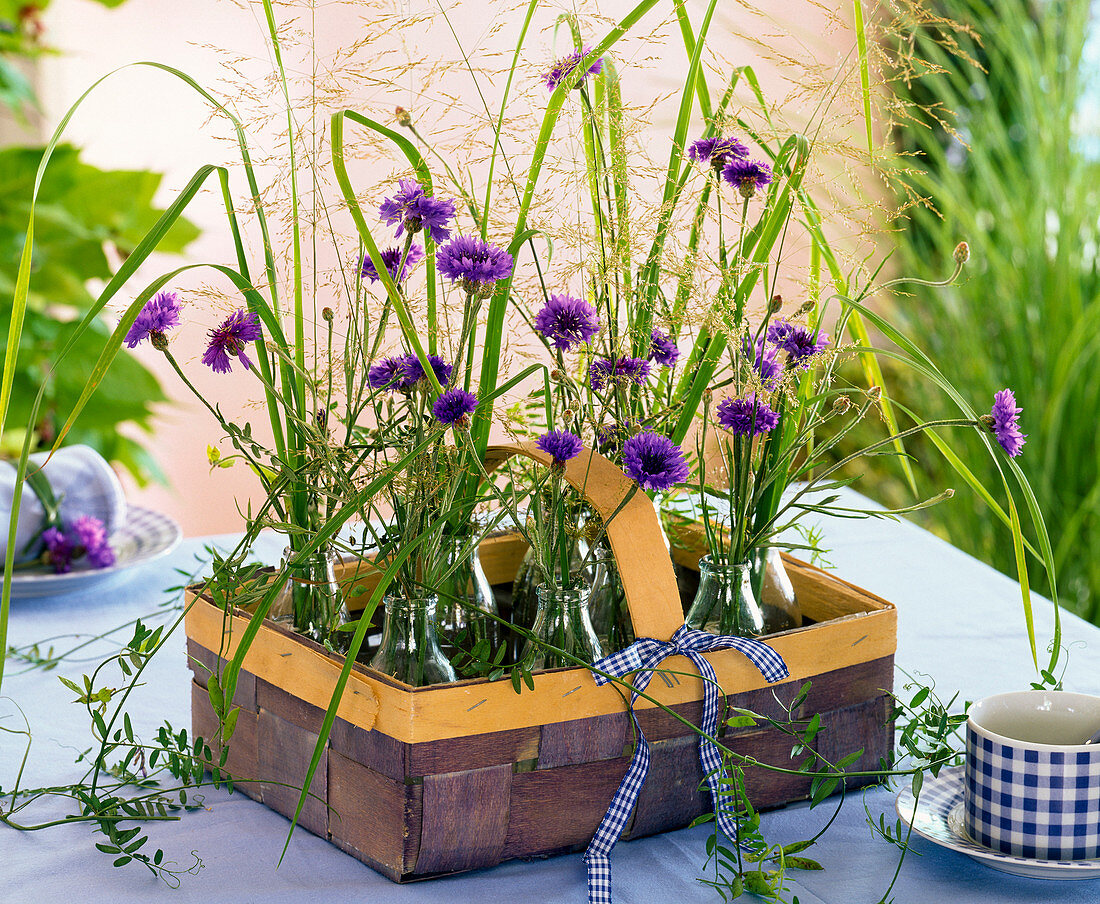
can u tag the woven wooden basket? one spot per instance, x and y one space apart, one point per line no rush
418 782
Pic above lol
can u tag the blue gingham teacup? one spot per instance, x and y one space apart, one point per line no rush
1032 786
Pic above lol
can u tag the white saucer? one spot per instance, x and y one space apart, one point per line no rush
938 816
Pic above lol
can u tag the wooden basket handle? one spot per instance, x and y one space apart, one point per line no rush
634 535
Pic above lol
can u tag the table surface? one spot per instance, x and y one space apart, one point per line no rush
960 624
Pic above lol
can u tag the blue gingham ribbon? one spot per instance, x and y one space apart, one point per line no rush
642 657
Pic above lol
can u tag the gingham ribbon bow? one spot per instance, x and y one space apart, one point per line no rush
642 657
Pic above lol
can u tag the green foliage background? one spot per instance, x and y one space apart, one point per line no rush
82 211
1021 183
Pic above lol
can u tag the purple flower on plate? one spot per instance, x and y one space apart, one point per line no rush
567 321
413 210
92 536
566 68
1003 420
454 407
474 264
617 371
158 315
746 417
747 175
663 350
391 257
717 151
654 462
561 445
231 338
60 550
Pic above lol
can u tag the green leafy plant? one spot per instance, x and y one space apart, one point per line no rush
1001 153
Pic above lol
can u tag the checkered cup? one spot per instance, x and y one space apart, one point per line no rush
1032 785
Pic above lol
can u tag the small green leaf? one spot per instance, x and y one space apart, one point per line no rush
801 863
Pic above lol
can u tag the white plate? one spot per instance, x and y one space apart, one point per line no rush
145 535
938 817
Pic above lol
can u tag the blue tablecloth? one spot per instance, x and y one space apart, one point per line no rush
960 624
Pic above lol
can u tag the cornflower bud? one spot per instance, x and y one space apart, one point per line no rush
841 404
776 304
962 253
874 393
328 314
806 308
404 118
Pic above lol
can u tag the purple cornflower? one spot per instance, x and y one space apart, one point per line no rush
561 445
801 344
384 375
92 535
391 257
654 462
565 67
765 363
60 550
403 372
747 175
413 210
717 151
779 331
567 321
454 407
159 314
235 332
663 350
746 417
618 371
474 264
1003 420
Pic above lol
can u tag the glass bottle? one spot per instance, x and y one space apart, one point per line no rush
563 622
311 598
466 601
773 588
525 602
607 603
724 602
410 650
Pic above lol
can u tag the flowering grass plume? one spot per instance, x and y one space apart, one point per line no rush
410 209
746 417
231 338
567 322
454 407
561 445
159 314
403 372
654 462
717 151
475 264
663 350
391 257
747 176
617 371
566 68
1003 420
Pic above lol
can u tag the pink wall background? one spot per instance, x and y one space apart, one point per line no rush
143 118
